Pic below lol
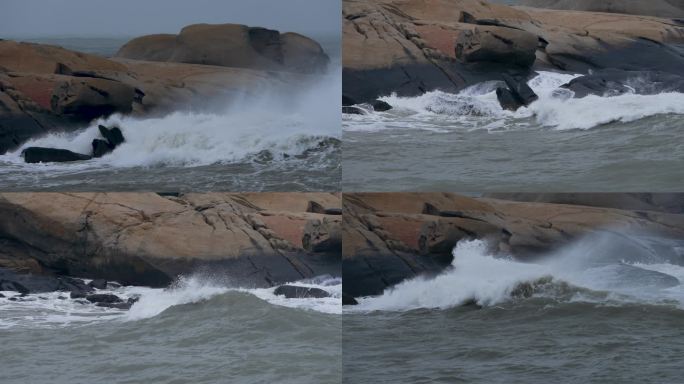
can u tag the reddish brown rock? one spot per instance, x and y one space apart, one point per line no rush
410 46
144 238
231 45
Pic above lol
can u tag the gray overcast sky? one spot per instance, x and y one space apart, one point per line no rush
96 18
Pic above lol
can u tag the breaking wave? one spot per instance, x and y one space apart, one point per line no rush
282 125
476 107
56 309
603 269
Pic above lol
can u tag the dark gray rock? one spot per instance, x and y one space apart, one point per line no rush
381 106
113 135
297 292
370 274
98 284
28 283
103 298
348 300
521 91
348 101
51 155
12 286
613 82
100 147
507 100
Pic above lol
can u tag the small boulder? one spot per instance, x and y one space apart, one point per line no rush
98 284
297 292
103 298
517 94
521 90
113 135
1 295
6 285
51 155
100 147
507 100
77 295
381 106
348 300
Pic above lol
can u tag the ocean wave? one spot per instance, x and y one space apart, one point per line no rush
196 288
476 107
284 125
56 309
590 270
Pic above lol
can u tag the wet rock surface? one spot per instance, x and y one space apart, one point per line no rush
613 82
298 292
414 46
52 155
113 138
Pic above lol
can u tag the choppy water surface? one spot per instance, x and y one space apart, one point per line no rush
588 314
195 332
466 142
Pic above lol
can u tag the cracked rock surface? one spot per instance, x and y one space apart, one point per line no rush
413 46
147 239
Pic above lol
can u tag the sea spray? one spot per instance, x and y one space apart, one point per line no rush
476 107
197 288
608 267
284 124
56 309
331 304
185 290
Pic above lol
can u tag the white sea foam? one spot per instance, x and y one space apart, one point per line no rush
189 290
331 304
476 107
195 289
55 309
282 124
588 270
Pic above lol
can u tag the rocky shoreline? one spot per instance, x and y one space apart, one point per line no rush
410 47
245 239
389 237
45 89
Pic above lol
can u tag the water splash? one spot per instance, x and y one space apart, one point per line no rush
476 107
605 268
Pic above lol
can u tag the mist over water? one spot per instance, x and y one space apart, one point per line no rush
609 308
467 142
